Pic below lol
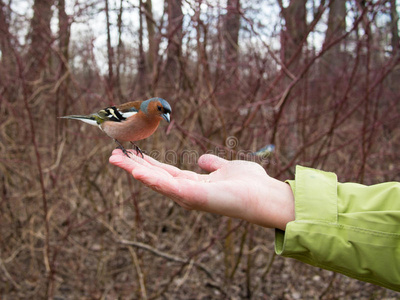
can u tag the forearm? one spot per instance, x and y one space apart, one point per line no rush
348 228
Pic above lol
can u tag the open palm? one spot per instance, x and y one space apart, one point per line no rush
238 189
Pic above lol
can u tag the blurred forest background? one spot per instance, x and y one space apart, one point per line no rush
317 79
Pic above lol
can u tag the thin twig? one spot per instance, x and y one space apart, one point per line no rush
167 256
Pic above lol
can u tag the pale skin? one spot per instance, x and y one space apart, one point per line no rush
237 189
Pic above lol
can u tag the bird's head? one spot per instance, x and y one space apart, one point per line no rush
157 107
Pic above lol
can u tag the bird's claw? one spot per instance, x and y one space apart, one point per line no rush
138 150
126 152
123 149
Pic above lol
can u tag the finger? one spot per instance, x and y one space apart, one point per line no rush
122 161
211 163
119 159
117 152
188 193
174 171
137 165
132 155
157 179
131 152
170 169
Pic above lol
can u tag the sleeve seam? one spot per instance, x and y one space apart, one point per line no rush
352 228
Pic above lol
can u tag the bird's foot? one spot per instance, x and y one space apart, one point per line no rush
122 148
138 150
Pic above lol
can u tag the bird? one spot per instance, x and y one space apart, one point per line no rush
129 122
265 151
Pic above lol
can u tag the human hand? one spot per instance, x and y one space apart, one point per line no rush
238 189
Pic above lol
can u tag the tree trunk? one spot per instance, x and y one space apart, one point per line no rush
5 37
8 64
231 37
64 32
120 48
142 80
336 23
394 21
294 32
336 28
174 31
110 52
152 54
63 29
40 37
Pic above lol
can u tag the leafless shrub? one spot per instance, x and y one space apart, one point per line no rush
72 226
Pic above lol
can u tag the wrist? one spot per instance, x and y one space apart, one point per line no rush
287 205
277 205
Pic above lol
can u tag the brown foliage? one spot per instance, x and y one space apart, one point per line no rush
73 226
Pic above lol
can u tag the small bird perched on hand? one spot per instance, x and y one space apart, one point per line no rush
129 122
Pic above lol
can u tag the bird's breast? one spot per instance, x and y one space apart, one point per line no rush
132 129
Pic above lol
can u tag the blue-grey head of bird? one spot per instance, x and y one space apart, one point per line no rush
157 106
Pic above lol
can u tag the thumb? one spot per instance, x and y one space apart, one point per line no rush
211 163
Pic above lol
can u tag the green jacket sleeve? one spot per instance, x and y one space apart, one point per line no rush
344 227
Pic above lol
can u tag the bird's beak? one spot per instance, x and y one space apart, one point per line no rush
166 117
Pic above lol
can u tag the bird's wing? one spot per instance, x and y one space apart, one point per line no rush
133 106
127 109
117 113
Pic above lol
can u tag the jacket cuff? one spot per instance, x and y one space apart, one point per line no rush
315 194
344 227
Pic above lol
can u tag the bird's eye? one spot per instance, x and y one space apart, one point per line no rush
159 108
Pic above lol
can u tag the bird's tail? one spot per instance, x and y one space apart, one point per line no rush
87 119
